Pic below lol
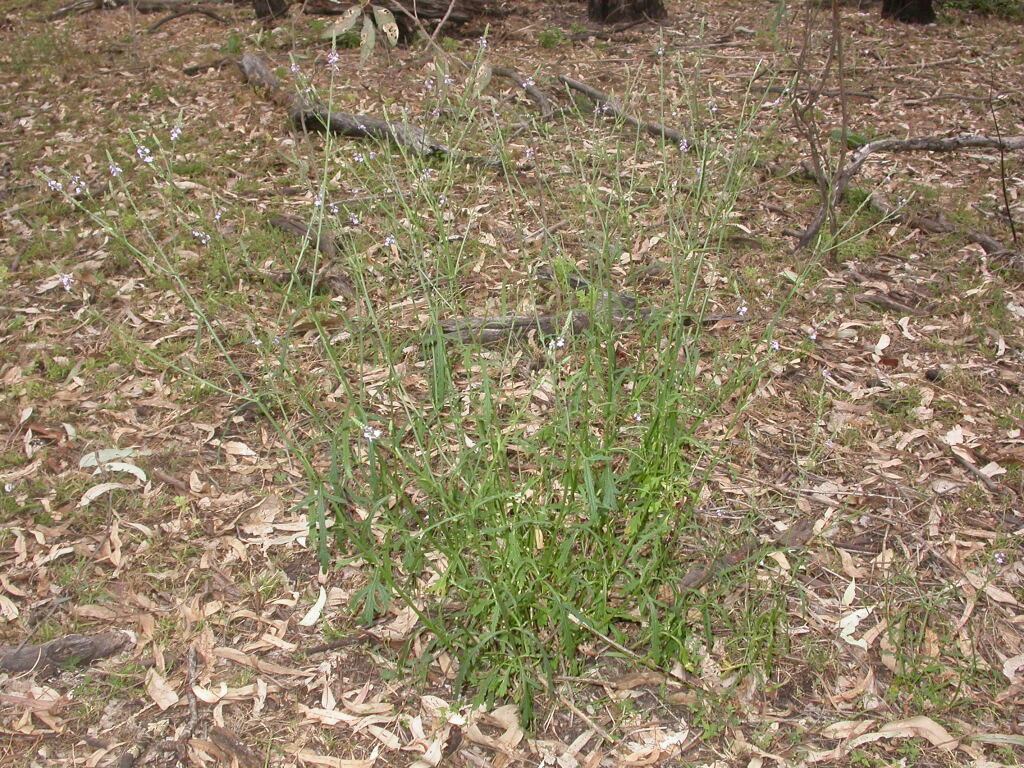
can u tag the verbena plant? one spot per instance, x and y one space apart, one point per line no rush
521 510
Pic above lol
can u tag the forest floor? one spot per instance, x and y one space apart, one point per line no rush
814 459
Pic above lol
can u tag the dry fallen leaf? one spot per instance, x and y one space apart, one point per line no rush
159 690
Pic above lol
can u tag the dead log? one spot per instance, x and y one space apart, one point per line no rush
63 652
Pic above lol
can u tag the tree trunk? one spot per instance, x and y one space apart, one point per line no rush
614 11
267 10
909 11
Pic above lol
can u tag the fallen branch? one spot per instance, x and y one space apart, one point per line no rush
611 107
527 84
77 7
62 652
315 116
333 282
923 144
140 6
323 240
991 246
195 69
604 297
490 330
186 12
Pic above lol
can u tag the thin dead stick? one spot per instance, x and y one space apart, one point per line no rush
538 233
437 29
609 739
987 481
611 107
921 144
632 654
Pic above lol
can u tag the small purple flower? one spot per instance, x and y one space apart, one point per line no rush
775 345
482 43
742 310
333 208
358 157
332 59
353 220
175 133
442 200
202 237
318 200
55 186
371 433
294 68
812 334
144 154
115 169
528 83
528 153
67 281
661 50
556 343
684 146
449 80
429 83
1000 557
389 241
217 215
